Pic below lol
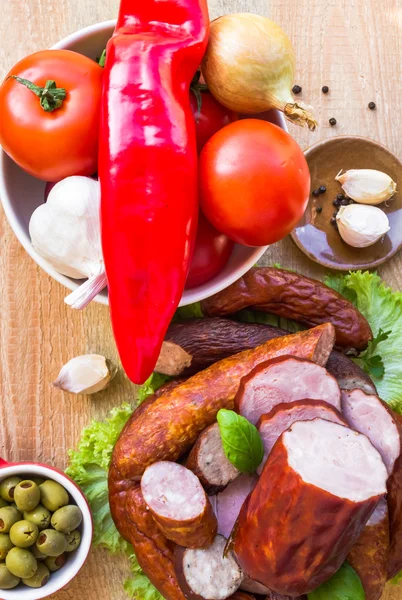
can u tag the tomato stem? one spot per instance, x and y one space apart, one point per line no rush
51 97
102 59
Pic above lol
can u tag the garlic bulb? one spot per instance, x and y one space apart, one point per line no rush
86 374
367 186
360 225
66 232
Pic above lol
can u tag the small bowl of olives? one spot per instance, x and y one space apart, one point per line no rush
45 530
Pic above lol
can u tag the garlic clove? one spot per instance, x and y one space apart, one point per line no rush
367 186
360 225
86 374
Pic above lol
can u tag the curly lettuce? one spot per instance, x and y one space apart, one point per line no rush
88 466
382 307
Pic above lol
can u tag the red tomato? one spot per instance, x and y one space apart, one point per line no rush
211 253
254 182
211 117
53 145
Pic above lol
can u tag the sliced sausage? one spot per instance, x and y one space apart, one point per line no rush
241 596
155 554
208 461
179 504
171 425
229 502
275 596
370 415
281 417
284 379
318 488
369 555
293 296
207 574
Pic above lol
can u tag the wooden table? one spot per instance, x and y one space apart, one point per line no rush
353 46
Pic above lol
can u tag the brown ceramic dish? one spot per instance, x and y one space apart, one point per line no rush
315 235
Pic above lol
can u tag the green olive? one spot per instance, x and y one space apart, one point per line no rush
3 502
37 480
39 515
51 542
53 495
27 495
73 540
7 487
5 545
7 579
37 553
24 534
54 563
40 578
21 563
67 518
8 516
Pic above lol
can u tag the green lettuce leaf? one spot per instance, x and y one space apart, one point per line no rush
154 382
89 465
382 307
344 585
397 579
192 311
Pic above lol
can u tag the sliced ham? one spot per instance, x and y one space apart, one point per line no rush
321 483
208 461
370 415
281 417
284 379
229 502
179 504
207 574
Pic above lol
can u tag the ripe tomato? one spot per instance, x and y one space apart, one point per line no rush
52 145
211 253
254 182
210 117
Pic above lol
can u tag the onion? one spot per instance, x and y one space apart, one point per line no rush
249 67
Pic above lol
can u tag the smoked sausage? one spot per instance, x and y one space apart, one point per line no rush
171 424
179 504
284 379
293 296
209 462
369 555
299 523
368 414
282 416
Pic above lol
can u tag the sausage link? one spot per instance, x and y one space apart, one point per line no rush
296 297
170 425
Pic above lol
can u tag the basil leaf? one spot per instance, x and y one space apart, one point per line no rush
241 441
344 585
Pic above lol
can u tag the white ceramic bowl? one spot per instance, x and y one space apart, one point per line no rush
21 194
75 560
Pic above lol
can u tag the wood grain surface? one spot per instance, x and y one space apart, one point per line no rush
353 46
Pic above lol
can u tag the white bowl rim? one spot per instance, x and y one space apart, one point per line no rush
75 562
191 295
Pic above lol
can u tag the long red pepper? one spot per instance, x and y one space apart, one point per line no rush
148 170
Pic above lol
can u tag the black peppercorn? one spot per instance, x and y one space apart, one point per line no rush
334 223
345 202
325 89
316 192
340 197
336 202
322 189
371 105
332 121
319 209
334 213
296 89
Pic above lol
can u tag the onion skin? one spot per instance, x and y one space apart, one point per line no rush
249 67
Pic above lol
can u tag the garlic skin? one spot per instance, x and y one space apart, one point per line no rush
66 232
367 186
360 225
86 374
